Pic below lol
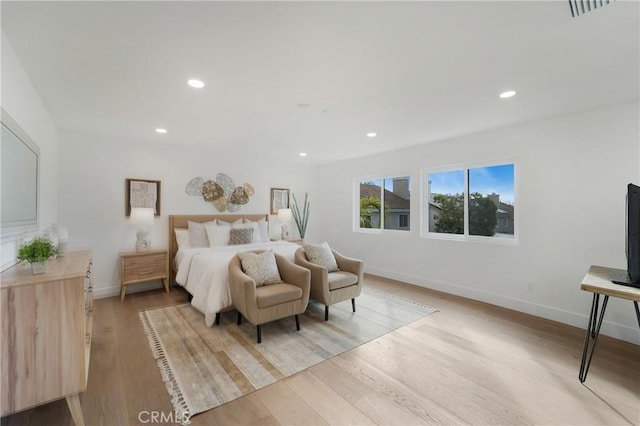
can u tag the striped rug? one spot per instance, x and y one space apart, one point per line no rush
204 368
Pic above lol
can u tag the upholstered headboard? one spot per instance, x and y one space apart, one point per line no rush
182 220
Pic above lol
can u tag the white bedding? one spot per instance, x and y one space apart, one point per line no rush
204 272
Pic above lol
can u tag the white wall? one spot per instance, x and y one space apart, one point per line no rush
572 173
20 99
92 184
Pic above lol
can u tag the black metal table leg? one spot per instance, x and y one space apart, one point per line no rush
594 309
593 330
637 311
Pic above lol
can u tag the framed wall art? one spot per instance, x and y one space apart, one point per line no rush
279 199
142 193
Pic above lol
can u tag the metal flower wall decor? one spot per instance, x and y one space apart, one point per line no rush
222 193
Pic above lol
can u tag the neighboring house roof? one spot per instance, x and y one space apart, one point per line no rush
393 201
505 209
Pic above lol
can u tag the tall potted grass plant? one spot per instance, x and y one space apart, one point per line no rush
300 217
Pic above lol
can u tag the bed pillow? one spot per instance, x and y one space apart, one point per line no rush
261 267
218 233
321 254
198 234
275 230
260 233
239 236
182 237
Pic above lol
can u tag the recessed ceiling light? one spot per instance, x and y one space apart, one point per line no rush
507 94
198 84
303 154
372 134
303 105
160 130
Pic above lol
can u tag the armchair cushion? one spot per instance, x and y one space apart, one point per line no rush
341 279
321 254
275 294
261 267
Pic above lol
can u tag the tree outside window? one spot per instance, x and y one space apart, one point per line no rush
385 203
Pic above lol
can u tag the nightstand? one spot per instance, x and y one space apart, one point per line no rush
141 266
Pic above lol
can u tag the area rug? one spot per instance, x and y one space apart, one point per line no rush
204 368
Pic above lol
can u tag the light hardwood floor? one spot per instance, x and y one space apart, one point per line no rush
469 363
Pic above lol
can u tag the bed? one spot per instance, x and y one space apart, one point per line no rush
203 271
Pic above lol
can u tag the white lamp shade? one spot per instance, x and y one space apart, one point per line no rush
284 215
141 216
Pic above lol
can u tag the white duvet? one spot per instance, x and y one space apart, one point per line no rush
204 272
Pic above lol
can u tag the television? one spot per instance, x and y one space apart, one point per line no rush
631 277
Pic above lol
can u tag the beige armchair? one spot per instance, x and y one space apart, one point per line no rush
260 304
333 287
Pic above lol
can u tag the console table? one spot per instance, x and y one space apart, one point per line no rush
597 281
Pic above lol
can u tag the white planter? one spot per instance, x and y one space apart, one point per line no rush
39 267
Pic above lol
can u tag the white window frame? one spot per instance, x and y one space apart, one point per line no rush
425 196
356 204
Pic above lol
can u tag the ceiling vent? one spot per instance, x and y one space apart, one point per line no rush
580 7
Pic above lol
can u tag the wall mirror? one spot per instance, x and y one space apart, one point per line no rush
20 180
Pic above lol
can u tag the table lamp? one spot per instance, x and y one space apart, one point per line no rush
142 219
284 216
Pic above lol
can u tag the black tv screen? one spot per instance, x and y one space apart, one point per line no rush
632 238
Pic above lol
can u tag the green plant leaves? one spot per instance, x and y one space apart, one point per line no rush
37 250
301 218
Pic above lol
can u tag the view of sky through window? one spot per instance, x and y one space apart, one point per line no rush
447 182
493 180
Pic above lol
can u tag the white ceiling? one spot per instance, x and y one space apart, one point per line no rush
413 72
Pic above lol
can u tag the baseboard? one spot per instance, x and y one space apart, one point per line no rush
579 320
114 290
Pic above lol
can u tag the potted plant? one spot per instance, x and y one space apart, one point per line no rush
300 217
37 252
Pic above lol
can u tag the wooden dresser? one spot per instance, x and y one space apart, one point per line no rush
46 333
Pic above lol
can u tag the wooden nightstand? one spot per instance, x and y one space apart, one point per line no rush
141 266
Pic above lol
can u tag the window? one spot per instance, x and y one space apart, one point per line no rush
370 204
384 203
476 202
446 202
491 201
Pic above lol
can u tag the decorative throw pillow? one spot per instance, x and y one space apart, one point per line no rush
321 254
198 234
240 236
261 267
